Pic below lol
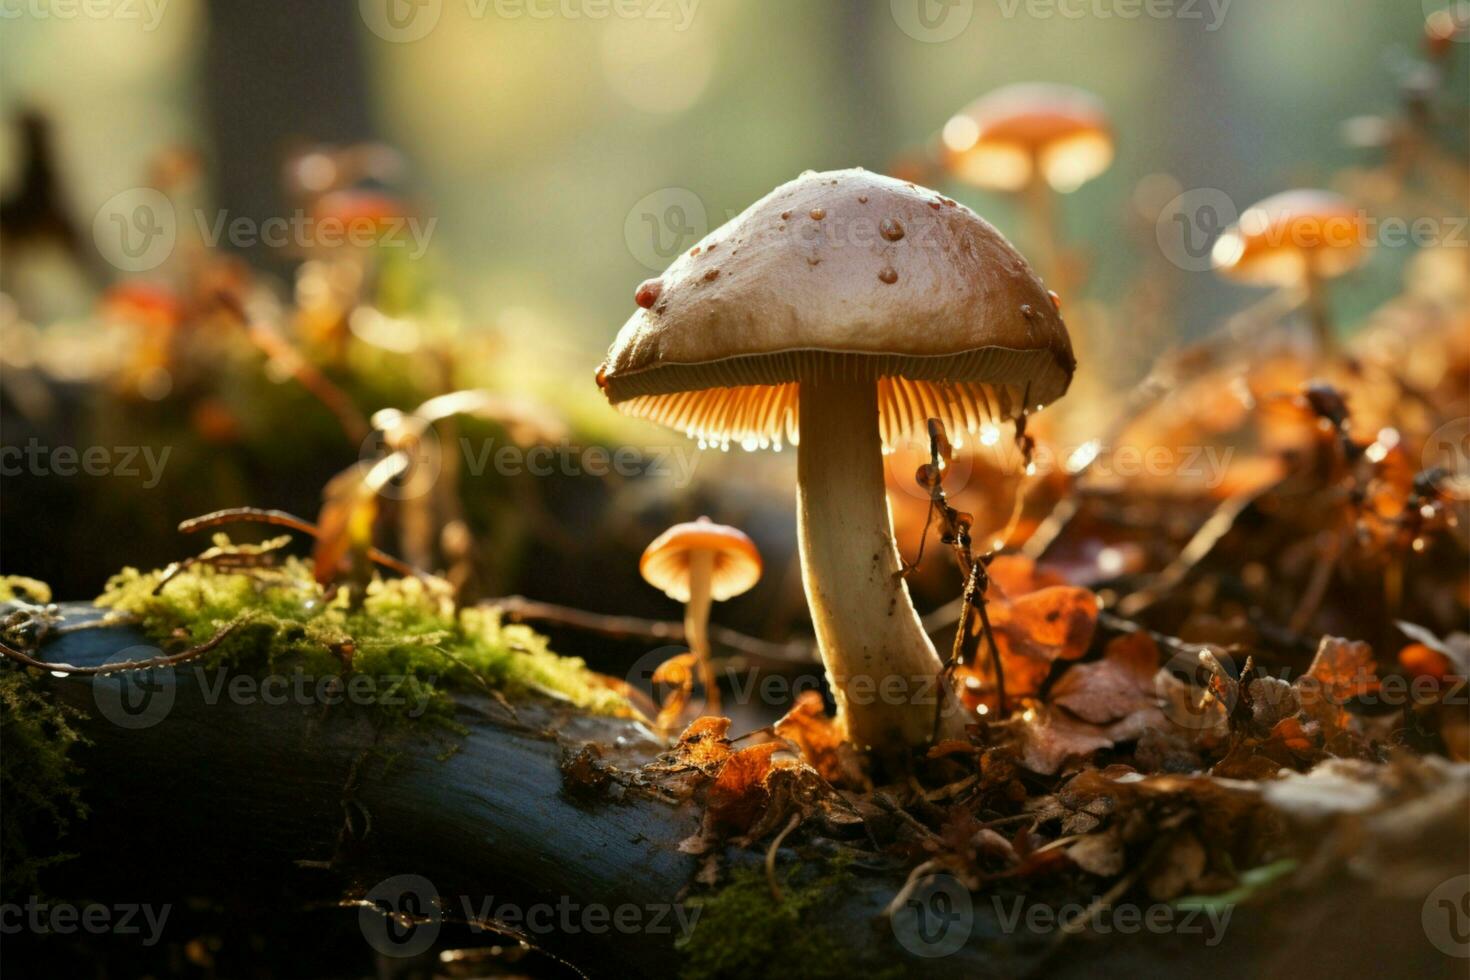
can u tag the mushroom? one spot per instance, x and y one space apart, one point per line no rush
696 563
1295 240
840 312
1032 138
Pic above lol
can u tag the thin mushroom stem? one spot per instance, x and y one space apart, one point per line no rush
1041 209
1319 311
696 621
883 669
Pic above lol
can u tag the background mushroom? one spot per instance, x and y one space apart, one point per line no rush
842 310
1035 139
697 563
1295 240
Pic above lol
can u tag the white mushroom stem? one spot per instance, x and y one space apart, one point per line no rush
696 621
885 676
1319 313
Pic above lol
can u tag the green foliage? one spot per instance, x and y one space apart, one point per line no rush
403 629
743 931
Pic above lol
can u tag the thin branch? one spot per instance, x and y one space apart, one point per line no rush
306 374
168 661
279 518
519 609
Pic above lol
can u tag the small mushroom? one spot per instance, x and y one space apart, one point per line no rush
832 357
1034 139
1296 240
696 563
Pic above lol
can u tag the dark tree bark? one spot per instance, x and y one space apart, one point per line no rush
277 806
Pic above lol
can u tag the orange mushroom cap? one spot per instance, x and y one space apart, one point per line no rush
665 562
1280 240
1003 139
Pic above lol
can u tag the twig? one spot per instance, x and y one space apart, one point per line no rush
168 661
791 825
519 609
278 349
279 518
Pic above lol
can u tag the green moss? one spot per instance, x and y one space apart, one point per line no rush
37 779
404 629
743 932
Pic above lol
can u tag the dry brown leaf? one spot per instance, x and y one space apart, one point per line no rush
1115 687
1055 623
820 740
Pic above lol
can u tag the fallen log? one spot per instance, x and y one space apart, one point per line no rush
200 789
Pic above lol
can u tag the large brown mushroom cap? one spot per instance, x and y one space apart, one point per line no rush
841 275
1002 139
1282 239
737 563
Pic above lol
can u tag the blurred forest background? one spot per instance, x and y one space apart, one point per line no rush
530 139
556 154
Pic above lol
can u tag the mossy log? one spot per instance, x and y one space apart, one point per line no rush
275 804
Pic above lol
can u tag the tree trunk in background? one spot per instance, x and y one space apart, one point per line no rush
278 73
